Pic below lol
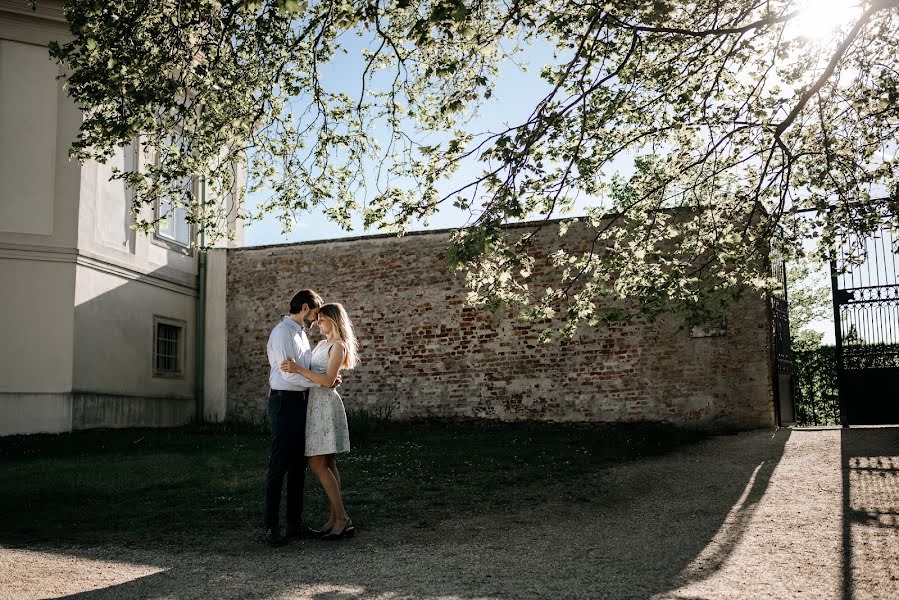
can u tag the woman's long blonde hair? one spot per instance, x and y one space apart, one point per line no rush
335 312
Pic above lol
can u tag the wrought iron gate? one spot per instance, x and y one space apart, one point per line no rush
866 323
783 355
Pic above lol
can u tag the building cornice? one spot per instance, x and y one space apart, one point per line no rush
375 237
18 23
127 273
73 256
35 252
43 9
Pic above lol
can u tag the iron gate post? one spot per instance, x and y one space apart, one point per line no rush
838 342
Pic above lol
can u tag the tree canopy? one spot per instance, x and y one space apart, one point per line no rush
734 116
809 303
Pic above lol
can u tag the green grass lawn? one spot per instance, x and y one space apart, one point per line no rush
142 487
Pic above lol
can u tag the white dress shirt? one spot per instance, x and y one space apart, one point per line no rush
288 340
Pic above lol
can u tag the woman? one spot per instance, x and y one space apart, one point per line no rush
327 433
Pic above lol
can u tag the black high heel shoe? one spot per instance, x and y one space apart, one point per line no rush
348 531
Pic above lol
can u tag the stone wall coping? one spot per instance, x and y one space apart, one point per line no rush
385 236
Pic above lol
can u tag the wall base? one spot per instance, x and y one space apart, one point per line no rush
60 413
91 411
35 413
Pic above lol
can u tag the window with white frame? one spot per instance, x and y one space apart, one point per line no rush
172 212
168 347
173 225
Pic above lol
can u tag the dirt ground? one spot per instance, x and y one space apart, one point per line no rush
796 514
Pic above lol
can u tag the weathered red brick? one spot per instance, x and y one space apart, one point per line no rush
425 354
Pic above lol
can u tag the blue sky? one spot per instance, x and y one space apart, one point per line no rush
515 95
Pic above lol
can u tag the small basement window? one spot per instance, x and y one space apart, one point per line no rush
168 348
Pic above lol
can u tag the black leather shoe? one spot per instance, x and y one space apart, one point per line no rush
273 538
303 532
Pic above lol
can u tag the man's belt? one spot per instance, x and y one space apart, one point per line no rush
290 393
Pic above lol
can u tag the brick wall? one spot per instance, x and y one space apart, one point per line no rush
427 355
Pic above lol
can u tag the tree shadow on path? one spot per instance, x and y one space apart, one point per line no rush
628 531
870 469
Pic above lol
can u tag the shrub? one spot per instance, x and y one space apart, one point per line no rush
364 421
815 392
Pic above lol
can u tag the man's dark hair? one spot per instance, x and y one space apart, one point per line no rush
307 297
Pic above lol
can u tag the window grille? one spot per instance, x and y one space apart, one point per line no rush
168 350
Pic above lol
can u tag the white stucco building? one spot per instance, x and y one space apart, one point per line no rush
99 323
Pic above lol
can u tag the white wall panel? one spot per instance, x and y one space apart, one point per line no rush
28 97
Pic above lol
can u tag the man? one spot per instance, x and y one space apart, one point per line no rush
287 419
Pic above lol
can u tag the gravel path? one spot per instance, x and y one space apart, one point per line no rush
800 514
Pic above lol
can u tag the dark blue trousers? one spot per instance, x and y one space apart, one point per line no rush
287 421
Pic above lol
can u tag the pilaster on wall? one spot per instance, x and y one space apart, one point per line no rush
425 354
215 395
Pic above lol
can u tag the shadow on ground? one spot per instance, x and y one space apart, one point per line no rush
626 531
870 469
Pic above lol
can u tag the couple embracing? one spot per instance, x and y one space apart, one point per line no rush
306 415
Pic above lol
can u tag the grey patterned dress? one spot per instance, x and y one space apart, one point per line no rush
326 426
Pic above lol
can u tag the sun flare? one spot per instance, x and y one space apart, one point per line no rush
820 19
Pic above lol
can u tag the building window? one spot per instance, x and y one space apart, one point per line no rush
168 348
173 226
